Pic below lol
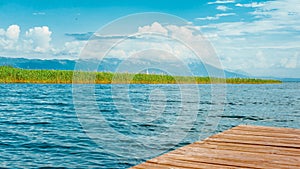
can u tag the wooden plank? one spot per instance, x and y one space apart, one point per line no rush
155 165
257 140
186 163
238 158
223 162
249 148
239 147
261 133
179 165
268 129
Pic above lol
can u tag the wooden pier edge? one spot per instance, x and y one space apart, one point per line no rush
243 146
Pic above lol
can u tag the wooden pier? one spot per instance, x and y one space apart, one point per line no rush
240 147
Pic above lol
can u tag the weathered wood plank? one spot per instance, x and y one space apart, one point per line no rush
186 163
255 140
240 147
180 165
238 158
249 148
267 129
262 133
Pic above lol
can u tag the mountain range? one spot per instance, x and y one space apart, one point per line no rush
195 68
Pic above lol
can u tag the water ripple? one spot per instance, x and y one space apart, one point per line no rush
39 126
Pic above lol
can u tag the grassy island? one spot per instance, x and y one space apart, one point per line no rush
10 74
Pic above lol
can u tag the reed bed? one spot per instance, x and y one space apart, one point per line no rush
10 74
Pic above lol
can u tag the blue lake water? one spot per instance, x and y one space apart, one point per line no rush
46 125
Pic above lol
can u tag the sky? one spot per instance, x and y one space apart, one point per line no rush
258 37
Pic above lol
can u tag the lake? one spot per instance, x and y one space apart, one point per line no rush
118 126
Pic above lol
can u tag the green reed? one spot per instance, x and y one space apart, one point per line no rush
10 74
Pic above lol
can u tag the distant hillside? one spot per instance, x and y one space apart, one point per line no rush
111 65
38 63
288 79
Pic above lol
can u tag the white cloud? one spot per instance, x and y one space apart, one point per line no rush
39 13
274 17
186 34
9 37
13 32
118 53
154 28
179 42
2 32
179 37
182 32
39 38
285 12
225 14
289 62
190 23
32 43
73 48
209 18
216 17
223 8
266 45
222 2
250 5
261 61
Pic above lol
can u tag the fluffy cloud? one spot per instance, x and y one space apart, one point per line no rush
9 37
13 32
2 32
39 38
272 17
177 40
33 42
73 48
223 8
154 28
267 44
290 62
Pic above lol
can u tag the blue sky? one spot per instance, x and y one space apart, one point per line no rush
255 36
